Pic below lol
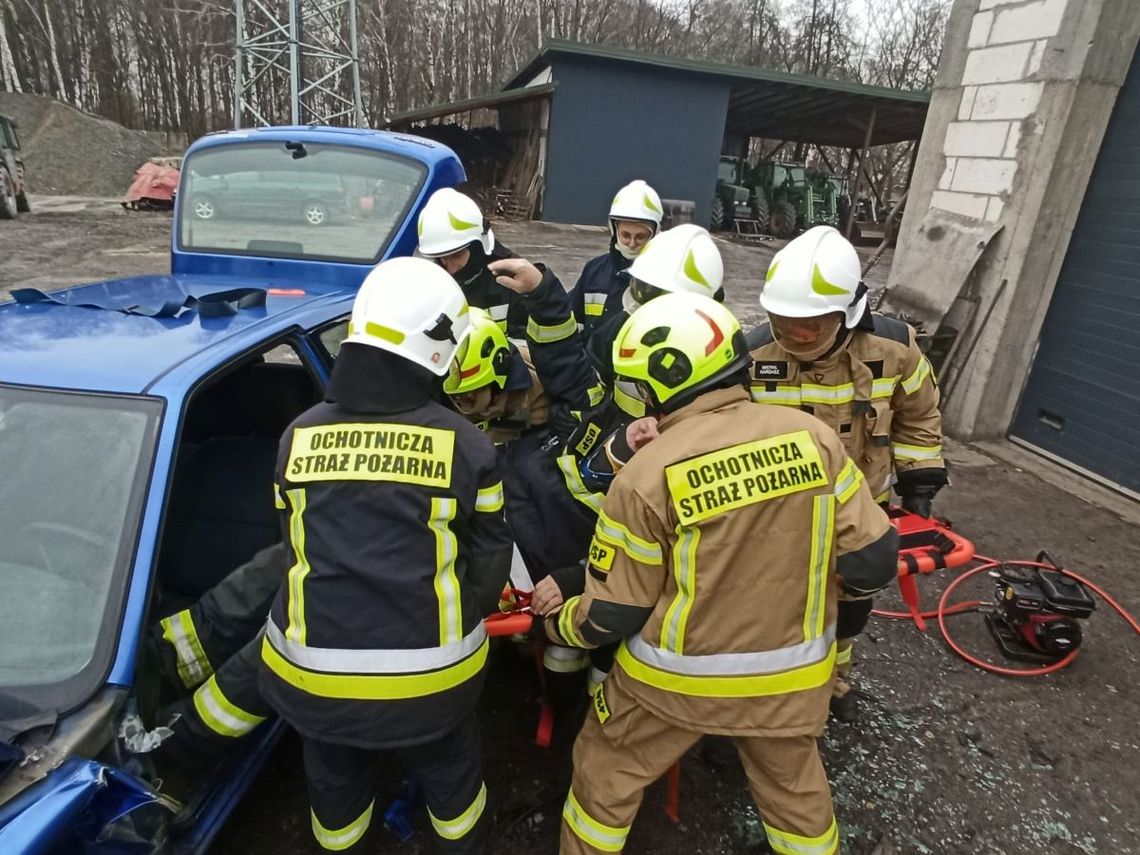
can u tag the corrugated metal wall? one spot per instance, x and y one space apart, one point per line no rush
1082 400
611 124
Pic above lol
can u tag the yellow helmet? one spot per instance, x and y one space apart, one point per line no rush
483 358
676 347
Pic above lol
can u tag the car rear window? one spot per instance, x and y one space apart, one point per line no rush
295 200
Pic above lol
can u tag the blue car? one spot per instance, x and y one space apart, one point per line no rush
138 427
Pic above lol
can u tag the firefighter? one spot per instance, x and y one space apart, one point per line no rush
495 384
392 506
454 234
635 217
717 557
860 373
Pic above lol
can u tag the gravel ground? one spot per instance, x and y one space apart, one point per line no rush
945 759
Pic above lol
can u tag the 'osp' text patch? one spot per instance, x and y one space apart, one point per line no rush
409 454
744 474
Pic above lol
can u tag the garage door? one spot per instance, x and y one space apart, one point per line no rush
1082 401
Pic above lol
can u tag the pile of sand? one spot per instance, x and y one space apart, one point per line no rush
67 151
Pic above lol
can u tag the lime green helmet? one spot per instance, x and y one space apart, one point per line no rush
677 347
482 359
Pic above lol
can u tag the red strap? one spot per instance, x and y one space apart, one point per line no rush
673 792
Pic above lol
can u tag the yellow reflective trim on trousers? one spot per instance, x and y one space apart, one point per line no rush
747 686
786 843
594 310
220 714
339 839
549 333
616 534
901 451
374 687
566 622
786 395
822 534
490 499
685 571
577 487
565 660
454 829
608 838
295 607
446 583
193 665
912 383
847 484
843 652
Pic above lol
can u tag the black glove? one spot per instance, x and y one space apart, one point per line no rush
918 487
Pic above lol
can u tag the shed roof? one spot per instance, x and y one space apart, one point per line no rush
482 102
773 104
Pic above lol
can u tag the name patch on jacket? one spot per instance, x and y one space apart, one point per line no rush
744 474
776 369
372 452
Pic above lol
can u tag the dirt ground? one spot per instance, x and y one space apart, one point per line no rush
945 758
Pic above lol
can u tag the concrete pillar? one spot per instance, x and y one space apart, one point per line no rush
1025 89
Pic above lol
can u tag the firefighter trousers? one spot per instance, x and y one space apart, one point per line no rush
341 781
195 641
615 759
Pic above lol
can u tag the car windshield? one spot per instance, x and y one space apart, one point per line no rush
295 200
72 472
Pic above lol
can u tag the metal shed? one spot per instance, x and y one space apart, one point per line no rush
614 114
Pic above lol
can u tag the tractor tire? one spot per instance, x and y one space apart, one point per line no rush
8 207
782 220
22 203
719 218
760 213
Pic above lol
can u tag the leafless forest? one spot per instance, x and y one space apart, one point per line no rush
169 64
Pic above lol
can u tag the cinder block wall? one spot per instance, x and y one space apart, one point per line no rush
1024 92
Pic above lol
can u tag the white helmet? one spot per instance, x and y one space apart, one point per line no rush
816 274
637 201
412 308
681 259
449 222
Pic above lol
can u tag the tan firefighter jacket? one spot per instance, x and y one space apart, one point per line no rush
879 394
715 556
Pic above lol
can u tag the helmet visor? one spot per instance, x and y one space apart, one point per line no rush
643 292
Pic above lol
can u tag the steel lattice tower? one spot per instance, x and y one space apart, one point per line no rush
304 47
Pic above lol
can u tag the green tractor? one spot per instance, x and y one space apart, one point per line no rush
733 199
13 192
781 197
